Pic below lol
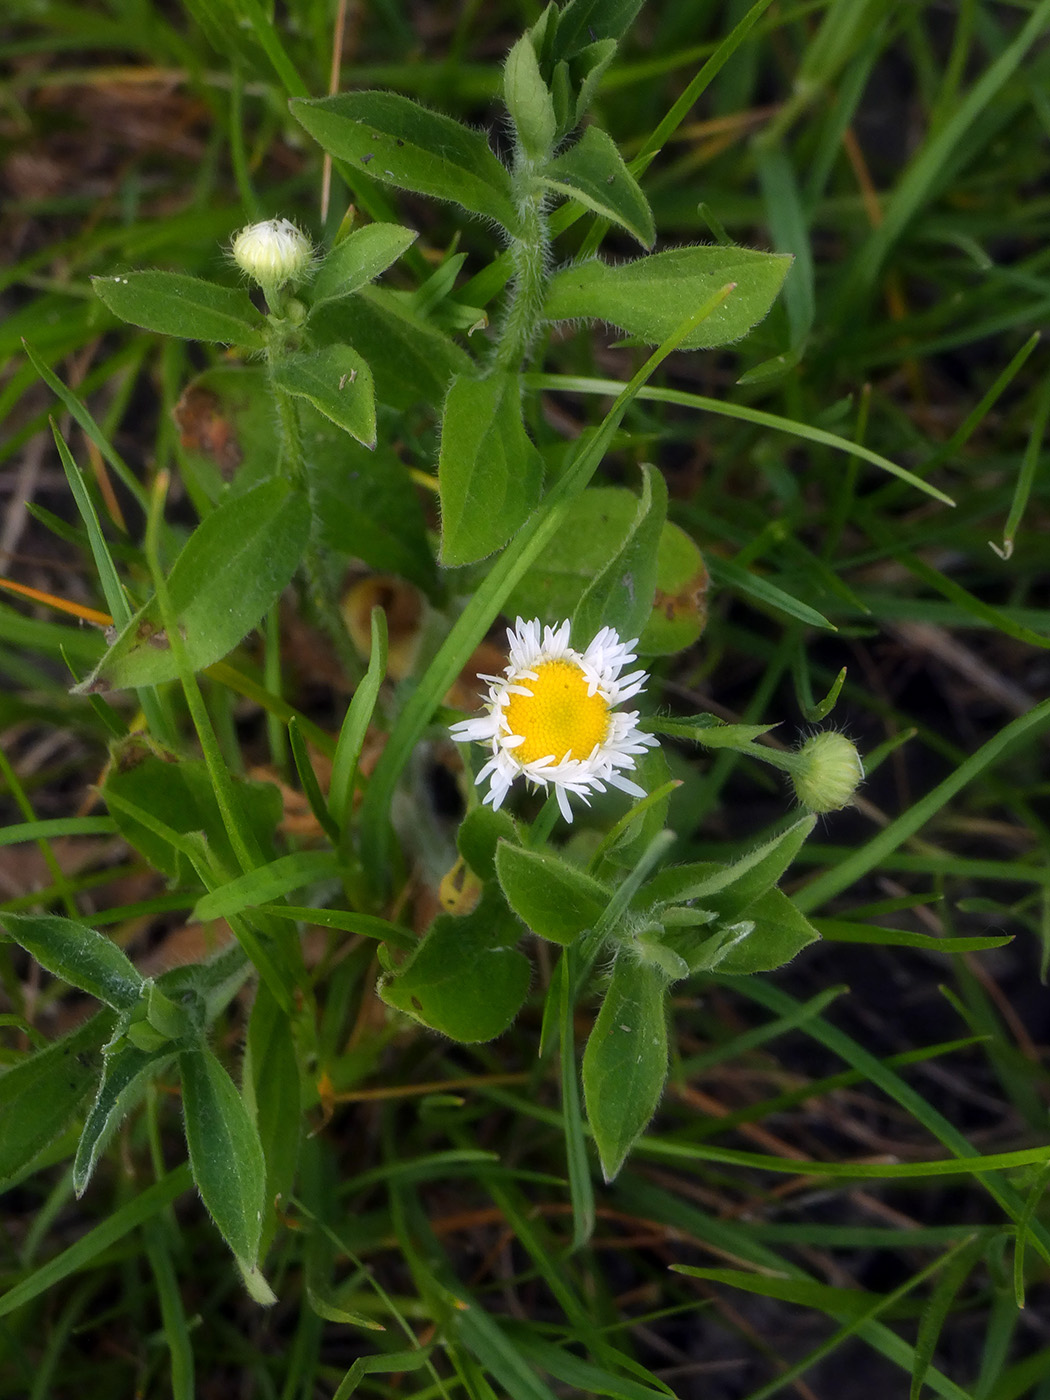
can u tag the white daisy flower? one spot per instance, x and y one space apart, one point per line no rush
551 716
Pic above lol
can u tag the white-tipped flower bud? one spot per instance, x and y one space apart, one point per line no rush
826 772
272 253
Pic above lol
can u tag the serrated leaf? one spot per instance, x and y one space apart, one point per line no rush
359 259
402 143
528 99
553 898
625 1062
234 565
226 1156
40 1094
650 297
593 172
467 978
621 594
338 382
490 473
174 303
79 955
127 1071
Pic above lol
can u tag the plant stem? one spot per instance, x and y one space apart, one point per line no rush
529 254
293 465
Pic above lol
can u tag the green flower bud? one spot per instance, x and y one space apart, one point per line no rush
826 772
272 253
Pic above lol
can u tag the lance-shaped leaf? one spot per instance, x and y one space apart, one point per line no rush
226 1156
466 979
359 259
79 955
234 565
650 297
401 143
593 172
625 1063
39 1095
174 303
528 99
730 889
555 899
271 1091
336 380
127 1072
490 473
622 593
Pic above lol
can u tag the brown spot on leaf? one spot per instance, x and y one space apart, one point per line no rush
204 428
689 601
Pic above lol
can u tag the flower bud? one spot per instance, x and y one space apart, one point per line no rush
272 253
826 772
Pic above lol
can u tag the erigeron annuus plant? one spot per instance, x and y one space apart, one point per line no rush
327 368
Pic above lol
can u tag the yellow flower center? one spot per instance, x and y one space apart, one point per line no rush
559 717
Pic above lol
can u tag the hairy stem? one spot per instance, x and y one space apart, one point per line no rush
529 252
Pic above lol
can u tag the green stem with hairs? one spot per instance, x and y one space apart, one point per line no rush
529 251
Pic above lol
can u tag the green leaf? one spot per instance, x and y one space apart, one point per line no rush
729 574
411 360
555 899
338 382
490 473
594 529
593 173
271 1091
401 143
466 979
232 568
621 595
267 882
355 725
226 428
226 1156
650 297
359 259
779 932
125 1076
837 1302
366 504
173 303
528 100
679 611
40 1094
625 1063
479 835
179 797
79 955
593 20
730 889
